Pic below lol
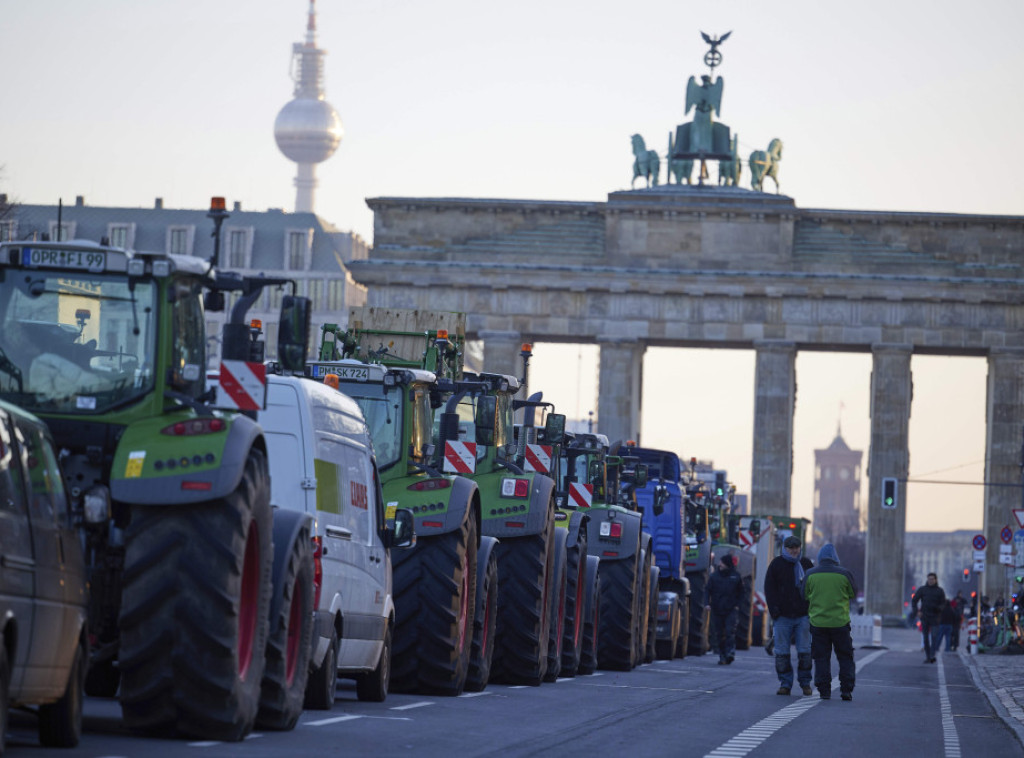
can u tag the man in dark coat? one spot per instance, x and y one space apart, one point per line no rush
927 603
783 582
724 594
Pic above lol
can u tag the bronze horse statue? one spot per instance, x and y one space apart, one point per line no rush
729 171
677 167
646 164
764 164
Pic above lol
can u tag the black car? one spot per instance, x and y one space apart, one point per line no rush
43 590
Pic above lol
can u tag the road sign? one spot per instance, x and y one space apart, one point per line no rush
1018 513
1005 549
979 567
1019 563
979 555
1018 536
1006 559
979 542
1006 534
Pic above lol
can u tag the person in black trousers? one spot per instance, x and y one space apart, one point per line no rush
928 602
724 594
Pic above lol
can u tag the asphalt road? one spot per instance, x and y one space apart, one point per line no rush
692 707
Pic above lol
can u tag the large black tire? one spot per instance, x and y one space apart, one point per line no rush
652 615
485 624
591 617
194 612
5 693
60 723
643 612
290 643
683 645
620 606
322 683
575 591
435 602
744 620
665 649
699 620
524 565
557 595
373 686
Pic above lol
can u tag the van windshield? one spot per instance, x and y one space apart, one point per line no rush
383 414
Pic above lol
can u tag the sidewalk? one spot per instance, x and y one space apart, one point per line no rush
1000 677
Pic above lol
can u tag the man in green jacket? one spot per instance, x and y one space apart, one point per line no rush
828 589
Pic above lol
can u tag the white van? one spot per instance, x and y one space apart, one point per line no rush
322 463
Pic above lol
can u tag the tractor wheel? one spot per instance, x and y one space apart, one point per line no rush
652 615
557 595
620 605
575 590
744 619
194 612
485 623
524 614
322 683
405 576
591 616
373 687
683 645
60 723
665 649
438 597
698 644
290 643
5 693
643 611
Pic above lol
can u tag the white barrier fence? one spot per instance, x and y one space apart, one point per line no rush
866 630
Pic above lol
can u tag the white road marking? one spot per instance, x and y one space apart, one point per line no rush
475 694
753 736
332 720
949 737
410 706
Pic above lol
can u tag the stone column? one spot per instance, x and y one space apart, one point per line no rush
891 394
501 353
620 379
1004 417
774 401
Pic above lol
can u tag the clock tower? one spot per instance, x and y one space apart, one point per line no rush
837 474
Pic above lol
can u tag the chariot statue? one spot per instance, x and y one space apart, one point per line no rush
646 163
764 164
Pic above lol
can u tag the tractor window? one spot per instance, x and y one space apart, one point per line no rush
422 423
75 342
189 348
504 430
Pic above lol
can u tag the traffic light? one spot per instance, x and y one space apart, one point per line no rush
967 575
1019 578
889 492
719 483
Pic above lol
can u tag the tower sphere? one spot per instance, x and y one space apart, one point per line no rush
308 130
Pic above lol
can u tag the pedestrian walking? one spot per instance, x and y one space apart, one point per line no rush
927 603
725 591
783 591
829 588
944 629
959 607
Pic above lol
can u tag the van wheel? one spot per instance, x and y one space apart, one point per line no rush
289 645
60 723
322 683
194 611
484 626
373 687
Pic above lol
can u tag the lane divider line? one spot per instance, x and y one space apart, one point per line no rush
410 706
950 740
332 720
753 736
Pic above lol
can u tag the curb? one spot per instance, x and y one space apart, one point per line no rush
1009 711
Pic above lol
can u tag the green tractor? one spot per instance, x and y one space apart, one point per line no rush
437 583
598 479
197 589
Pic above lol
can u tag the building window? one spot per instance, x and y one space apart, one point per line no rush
237 249
335 294
316 293
118 235
63 232
298 247
177 240
6 231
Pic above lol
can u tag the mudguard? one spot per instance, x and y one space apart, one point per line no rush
135 479
576 521
441 517
289 526
610 548
533 521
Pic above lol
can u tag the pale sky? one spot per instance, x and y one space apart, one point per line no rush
881 105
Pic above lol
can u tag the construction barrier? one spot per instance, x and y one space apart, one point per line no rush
972 635
866 631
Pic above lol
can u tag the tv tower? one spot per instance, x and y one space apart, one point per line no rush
307 130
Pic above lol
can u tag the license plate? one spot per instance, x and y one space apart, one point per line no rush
351 373
82 260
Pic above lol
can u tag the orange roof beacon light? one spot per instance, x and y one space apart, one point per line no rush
442 334
526 348
256 324
217 204
332 381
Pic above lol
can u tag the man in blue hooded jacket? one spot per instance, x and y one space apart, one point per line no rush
829 588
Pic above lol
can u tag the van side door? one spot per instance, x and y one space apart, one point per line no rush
17 564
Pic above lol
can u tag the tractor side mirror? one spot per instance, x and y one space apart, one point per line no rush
554 428
293 333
